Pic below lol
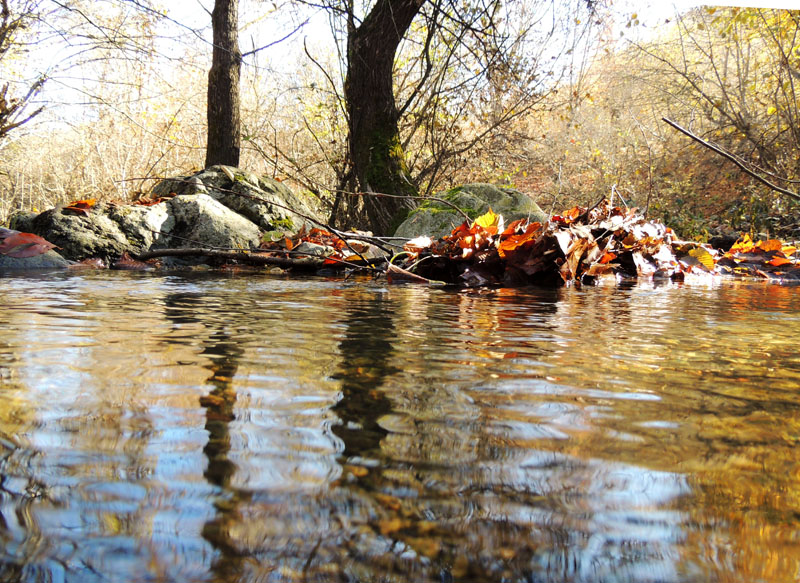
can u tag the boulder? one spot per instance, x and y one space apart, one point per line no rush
266 202
201 221
437 219
79 236
106 231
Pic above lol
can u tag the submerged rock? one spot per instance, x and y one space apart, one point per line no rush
437 219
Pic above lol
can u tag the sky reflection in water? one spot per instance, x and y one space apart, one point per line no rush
204 428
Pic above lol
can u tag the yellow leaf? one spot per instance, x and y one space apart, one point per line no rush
704 257
490 221
771 110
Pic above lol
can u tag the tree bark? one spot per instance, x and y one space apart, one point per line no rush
224 123
376 152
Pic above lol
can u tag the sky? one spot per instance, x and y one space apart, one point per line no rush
193 14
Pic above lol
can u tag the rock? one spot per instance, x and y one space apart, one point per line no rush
436 219
49 260
79 236
221 207
266 202
144 226
106 231
308 249
201 221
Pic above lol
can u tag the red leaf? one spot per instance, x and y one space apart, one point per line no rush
129 263
21 245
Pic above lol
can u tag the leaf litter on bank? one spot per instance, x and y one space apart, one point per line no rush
583 246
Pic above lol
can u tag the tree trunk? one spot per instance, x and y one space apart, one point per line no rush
375 148
224 124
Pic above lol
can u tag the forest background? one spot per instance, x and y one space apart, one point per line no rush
562 100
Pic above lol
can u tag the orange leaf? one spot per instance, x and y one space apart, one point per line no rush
81 206
608 257
514 242
512 228
770 245
743 245
778 261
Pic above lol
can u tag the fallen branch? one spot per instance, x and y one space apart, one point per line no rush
733 158
255 258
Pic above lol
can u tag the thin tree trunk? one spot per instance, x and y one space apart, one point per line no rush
224 124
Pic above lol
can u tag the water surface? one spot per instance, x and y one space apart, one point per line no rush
208 428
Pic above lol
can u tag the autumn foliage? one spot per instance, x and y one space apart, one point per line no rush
584 246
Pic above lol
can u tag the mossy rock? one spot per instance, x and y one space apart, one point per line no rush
268 203
436 219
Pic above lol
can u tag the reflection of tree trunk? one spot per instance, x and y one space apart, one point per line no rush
365 354
224 354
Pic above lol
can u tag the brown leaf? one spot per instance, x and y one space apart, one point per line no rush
396 274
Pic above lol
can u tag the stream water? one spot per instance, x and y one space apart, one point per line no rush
207 428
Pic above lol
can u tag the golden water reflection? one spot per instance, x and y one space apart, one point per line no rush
177 428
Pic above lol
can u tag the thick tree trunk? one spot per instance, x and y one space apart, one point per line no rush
224 124
375 149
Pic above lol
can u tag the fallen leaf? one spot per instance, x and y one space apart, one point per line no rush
770 245
490 221
778 261
704 257
22 245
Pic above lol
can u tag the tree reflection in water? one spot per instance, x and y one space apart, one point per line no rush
223 352
436 485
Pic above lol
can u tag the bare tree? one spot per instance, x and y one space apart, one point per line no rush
14 110
467 70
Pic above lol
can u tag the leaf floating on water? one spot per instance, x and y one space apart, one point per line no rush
128 263
91 263
396 274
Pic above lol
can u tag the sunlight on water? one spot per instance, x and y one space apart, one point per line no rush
221 429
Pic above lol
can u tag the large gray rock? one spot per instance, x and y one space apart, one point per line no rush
266 202
77 235
437 219
106 231
201 221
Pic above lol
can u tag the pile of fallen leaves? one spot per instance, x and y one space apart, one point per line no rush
582 246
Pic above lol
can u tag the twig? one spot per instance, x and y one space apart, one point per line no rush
585 214
732 158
